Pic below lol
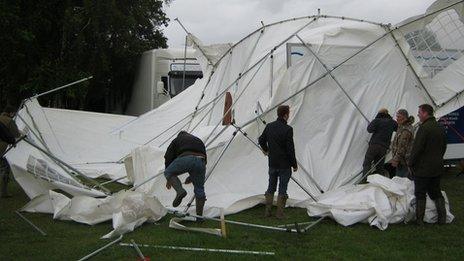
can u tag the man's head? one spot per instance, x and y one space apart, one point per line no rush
425 112
283 111
9 110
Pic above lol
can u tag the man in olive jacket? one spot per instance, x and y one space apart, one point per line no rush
426 163
6 119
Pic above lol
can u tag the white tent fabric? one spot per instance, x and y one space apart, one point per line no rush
334 73
381 202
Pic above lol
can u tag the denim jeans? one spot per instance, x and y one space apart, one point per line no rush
283 175
195 167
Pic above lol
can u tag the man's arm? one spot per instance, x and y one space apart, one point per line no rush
372 127
170 154
291 149
418 146
263 141
14 129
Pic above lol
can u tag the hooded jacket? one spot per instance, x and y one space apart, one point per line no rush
382 128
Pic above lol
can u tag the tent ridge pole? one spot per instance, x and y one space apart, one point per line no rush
397 45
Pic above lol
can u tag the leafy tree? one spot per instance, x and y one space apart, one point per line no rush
48 43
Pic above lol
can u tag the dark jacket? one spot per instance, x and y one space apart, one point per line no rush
11 125
277 140
382 128
184 144
427 152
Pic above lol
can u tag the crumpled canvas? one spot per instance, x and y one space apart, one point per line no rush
127 209
381 202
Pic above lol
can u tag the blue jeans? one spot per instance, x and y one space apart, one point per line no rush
283 175
195 167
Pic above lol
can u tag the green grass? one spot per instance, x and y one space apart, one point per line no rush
68 240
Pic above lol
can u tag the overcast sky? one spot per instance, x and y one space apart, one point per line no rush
224 21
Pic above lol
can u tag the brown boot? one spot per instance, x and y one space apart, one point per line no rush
281 201
269 202
420 211
199 205
441 210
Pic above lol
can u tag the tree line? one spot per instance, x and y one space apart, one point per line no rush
48 43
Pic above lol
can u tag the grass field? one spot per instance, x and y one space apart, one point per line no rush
328 240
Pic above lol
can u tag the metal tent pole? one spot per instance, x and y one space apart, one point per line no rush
101 249
30 223
213 167
198 249
333 77
232 222
237 99
79 174
314 81
61 87
137 249
256 145
397 45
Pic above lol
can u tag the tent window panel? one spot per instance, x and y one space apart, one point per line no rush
439 43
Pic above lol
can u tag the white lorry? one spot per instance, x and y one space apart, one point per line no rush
162 74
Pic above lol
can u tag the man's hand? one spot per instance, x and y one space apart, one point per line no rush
188 180
168 185
295 169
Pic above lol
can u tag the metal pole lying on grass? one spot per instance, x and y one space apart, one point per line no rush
185 214
30 223
101 249
230 251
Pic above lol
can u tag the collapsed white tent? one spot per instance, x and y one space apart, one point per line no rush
335 73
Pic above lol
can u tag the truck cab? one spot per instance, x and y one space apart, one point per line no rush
162 74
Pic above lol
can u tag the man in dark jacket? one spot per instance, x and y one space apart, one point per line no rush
186 153
426 163
382 128
276 141
6 118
